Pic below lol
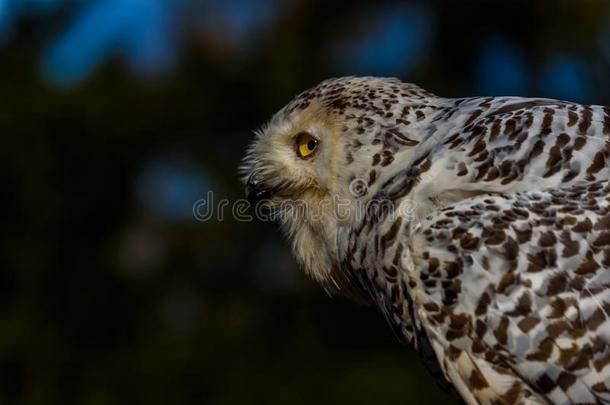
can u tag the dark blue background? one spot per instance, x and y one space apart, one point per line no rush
117 115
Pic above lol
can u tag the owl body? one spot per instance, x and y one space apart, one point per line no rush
480 227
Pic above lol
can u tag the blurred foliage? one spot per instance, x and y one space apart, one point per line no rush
110 292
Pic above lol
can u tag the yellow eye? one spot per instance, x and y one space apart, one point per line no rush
306 144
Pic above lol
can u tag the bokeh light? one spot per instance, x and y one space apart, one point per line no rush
390 41
501 69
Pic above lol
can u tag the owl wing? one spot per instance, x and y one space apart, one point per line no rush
508 287
513 292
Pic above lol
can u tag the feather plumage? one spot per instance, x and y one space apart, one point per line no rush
481 229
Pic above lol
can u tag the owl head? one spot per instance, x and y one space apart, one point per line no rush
325 154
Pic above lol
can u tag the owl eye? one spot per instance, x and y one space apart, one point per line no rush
306 144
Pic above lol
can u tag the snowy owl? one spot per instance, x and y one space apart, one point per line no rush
480 227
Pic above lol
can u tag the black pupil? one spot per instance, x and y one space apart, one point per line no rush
311 145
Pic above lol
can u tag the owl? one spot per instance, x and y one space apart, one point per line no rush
479 227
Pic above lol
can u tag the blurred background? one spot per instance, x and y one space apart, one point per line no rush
116 116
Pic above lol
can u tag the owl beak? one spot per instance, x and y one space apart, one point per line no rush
256 192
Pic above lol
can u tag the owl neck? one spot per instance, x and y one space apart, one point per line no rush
312 230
